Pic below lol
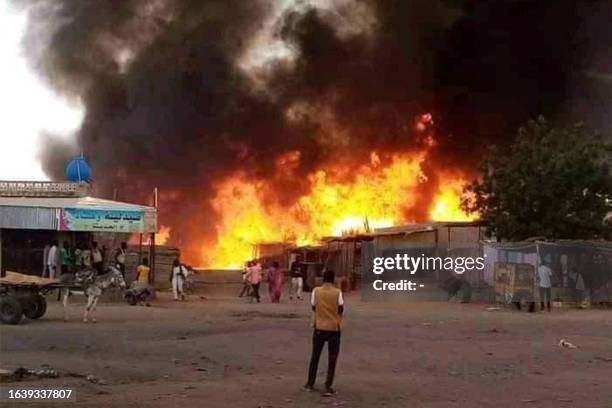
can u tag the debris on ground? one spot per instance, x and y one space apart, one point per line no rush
22 372
493 309
566 344
92 379
528 400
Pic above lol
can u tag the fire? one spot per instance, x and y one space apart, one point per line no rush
447 202
161 238
379 193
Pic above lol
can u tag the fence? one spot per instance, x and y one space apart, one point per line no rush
581 270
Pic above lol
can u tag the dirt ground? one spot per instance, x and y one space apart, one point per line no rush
225 352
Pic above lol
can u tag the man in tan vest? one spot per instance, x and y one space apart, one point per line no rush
328 306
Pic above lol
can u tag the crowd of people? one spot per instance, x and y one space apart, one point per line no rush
326 301
62 259
254 274
68 259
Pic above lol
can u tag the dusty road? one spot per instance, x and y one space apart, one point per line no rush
228 353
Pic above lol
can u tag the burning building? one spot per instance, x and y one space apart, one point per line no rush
292 120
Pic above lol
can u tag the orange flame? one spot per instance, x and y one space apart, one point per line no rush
447 202
161 238
377 194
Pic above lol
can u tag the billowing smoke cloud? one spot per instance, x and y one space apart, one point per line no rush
182 92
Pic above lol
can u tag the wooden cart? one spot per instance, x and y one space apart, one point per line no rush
22 295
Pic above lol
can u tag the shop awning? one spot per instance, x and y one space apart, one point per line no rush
87 214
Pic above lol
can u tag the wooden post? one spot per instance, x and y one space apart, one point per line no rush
351 283
140 250
152 243
152 258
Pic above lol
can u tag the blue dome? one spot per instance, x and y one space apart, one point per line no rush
78 170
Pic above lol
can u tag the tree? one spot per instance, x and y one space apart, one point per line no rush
551 182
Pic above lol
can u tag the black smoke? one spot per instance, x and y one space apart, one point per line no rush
175 110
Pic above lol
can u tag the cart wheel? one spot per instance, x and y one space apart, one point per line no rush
10 310
131 299
35 306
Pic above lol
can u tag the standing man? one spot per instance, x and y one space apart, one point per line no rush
120 258
297 281
52 258
77 258
63 255
328 307
142 272
544 282
45 271
254 276
246 286
177 278
86 257
97 259
142 280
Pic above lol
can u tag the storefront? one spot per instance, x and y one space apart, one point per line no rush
38 213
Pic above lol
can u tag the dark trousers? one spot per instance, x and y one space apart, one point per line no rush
319 338
255 290
246 290
545 294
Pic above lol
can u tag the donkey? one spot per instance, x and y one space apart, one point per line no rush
93 288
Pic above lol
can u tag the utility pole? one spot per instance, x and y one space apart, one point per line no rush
152 242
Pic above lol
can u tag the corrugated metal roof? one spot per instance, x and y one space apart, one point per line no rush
15 217
71 202
424 227
46 213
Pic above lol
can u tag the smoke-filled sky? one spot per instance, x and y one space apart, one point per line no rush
28 106
178 93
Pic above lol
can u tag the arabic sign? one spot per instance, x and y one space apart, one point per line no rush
78 219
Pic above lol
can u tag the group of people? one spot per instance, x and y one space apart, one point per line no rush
327 302
327 305
253 274
61 259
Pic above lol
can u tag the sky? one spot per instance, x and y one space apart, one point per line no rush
29 108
